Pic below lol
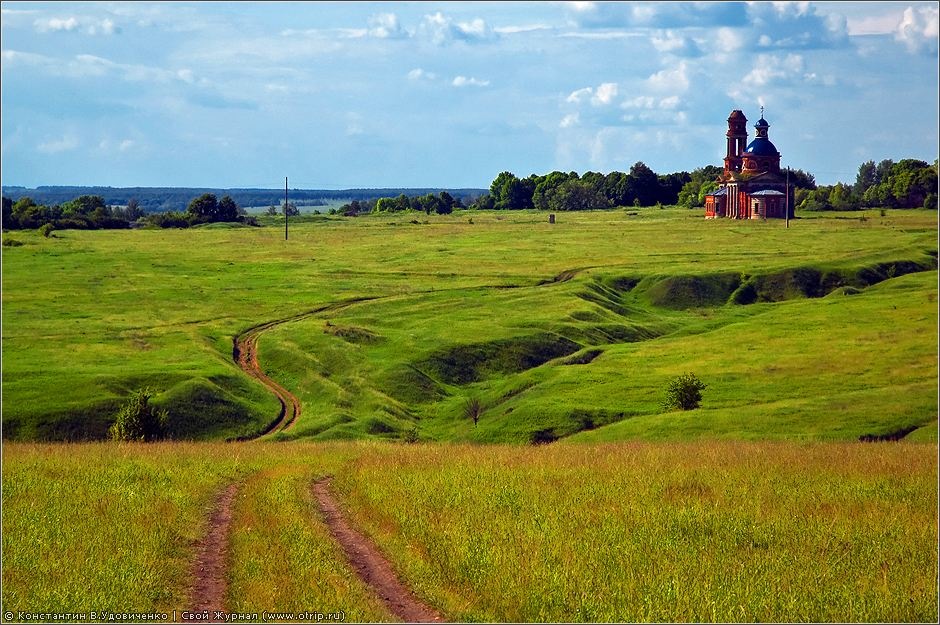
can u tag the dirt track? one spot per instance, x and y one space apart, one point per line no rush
245 355
208 573
369 563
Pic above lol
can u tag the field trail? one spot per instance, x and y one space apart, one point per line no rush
208 572
245 346
369 563
245 354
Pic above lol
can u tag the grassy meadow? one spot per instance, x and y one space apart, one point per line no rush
824 331
759 506
695 531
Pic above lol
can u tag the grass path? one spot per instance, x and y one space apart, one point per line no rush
369 563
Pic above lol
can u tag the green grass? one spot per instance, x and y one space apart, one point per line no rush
693 531
477 309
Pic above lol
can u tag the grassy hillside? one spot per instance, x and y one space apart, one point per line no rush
716 531
826 330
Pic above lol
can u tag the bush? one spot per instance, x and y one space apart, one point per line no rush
472 409
138 420
8 242
411 436
46 230
684 393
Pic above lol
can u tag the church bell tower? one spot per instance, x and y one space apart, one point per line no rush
737 141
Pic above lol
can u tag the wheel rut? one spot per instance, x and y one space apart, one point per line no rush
245 355
368 562
207 592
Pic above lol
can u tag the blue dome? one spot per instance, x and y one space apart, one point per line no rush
761 147
762 123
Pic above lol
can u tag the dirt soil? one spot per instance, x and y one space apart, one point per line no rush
208 572
369 563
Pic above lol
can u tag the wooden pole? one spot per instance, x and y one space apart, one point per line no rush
286 211
787 207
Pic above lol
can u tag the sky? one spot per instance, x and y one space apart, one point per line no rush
449 94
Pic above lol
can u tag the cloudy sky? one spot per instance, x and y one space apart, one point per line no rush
338 95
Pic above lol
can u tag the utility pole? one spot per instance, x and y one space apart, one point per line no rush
787 207
287 208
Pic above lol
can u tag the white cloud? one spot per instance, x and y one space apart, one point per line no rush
522 28
88 25
769 68
441 29
604 94
386 26
576 96
650 102
669 42
669 103
919 29
116 147
55 24
420 74
56 146
671 79
572 119
464 81
640 102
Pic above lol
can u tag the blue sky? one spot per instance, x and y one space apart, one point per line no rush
448 94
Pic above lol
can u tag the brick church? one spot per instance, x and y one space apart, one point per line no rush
751 185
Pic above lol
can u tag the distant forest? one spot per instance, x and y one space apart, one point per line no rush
167 199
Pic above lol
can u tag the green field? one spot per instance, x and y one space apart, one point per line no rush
701 531
761 505
823 331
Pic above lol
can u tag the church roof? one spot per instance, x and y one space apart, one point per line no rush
761 147
767 192
736 114
721 191
762 123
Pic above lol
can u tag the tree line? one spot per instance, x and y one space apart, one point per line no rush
570 191
90 212
909 183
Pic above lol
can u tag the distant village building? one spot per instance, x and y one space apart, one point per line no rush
751 185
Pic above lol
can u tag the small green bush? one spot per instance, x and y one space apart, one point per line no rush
138 420
684 393
8 242
46 230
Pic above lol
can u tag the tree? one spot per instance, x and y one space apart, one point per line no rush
865 178
684 393
133 212
138 420
203 208
8 213
227 209
291 210
575 195
802 180
446 204
645 183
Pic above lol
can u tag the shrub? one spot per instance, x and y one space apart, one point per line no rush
46 230
684 393
411 436
472 409
8 242
138 420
